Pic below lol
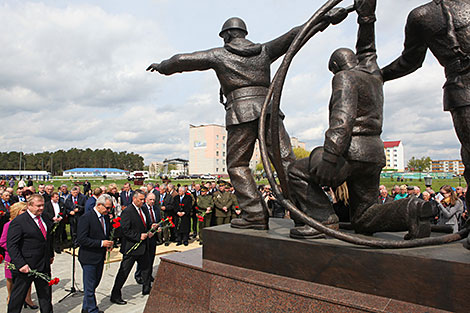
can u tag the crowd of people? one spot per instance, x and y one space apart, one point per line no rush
91 213
83 217
449 203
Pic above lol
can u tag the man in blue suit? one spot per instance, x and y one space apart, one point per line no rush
126 195
90 202
93 237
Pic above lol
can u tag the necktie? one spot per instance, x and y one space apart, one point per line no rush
102 223
41 227
151 215
7 206
142 218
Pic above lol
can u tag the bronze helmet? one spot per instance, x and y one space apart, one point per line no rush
234 23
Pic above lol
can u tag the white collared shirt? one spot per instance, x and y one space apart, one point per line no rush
138 212
36 221
56 207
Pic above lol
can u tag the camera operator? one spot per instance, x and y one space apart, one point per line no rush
275 208
450 208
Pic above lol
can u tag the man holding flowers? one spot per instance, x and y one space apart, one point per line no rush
135 224
93 237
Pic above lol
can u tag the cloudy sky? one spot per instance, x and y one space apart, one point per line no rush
72 74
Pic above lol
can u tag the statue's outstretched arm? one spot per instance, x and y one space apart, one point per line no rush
196 61
414 53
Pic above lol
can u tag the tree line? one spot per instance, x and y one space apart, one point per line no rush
59 161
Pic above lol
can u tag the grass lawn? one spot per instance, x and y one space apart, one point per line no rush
389 183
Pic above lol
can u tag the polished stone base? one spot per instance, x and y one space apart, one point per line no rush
186 283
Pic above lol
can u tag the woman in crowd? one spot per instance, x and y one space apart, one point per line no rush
450 208
113 192
15 210
403 194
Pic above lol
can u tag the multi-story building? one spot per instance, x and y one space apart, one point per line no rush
296 143
447 166
207 149
395 155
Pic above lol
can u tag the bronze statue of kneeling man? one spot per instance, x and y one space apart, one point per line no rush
353 150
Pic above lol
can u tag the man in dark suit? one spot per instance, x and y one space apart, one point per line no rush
135 225
90 202
30 247
196 193
75 207
384 197
54 210
126 195
154 212
184 202
4 208
93 237
167 207
156 192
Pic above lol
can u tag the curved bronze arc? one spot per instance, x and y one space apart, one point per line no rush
275 91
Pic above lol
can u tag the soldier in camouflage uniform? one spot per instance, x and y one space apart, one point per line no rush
204 209
223 203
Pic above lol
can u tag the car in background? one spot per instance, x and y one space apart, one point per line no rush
194 176
208 176
182 177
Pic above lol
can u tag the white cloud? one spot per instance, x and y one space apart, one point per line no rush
73 75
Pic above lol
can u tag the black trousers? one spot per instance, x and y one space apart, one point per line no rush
21 284
126 266
152 250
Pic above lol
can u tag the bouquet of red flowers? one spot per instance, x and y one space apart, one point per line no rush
116 224
37 274
163 224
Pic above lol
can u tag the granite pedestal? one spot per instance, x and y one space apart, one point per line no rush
266 271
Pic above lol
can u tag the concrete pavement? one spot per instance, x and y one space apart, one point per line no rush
62 268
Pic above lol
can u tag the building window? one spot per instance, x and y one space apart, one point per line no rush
223 170
217 137
217 161
217 169
217 145
223 137
223 153
217 153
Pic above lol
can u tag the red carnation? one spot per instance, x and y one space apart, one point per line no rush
60 213
116 225
1 258
51 282
182 204
75 202
236 207
56 280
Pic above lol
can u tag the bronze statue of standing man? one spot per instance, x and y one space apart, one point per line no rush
244 73
442 26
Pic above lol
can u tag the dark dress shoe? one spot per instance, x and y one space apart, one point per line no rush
32 307
146 290
139 280
58 251
167 244
179 244
118 301
185 243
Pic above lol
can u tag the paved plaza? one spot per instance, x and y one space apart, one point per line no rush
62 268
